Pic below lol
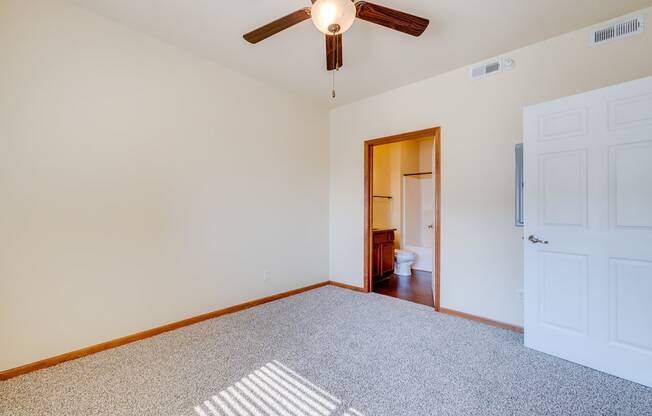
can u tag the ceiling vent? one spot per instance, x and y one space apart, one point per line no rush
617 30
491 67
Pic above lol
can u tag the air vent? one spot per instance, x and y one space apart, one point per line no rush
493 66
617 30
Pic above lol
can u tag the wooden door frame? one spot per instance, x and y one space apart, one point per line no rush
369 145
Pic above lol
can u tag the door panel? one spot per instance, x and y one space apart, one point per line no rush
630 112
562 125
564 291
630 170
563 188
588 199
631 303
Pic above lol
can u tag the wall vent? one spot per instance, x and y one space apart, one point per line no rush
493 66
617 30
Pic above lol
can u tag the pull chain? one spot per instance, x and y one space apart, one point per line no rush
335 59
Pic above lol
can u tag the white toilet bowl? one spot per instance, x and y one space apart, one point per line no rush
403 261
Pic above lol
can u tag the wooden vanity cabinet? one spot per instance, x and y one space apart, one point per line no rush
382 262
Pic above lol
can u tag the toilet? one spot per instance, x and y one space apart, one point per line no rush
403 261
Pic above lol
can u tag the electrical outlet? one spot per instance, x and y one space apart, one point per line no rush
519 292
266 275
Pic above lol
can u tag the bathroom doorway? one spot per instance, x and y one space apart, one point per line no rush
402 216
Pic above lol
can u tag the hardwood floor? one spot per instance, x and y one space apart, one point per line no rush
416 288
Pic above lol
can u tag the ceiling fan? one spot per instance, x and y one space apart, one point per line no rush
334 17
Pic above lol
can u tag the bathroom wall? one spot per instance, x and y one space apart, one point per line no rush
391 161
141 185
383 167
426 155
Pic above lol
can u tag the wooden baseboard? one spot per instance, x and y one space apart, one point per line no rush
52 361
345 286
480 319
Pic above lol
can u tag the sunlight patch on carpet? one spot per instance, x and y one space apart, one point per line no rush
274 390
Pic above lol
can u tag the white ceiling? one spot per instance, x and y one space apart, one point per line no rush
376 59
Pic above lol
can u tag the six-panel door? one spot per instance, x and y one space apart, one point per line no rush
588 194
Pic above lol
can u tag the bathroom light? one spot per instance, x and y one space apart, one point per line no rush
333 17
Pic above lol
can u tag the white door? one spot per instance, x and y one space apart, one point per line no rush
588 196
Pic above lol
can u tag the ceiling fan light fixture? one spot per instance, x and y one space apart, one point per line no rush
333 17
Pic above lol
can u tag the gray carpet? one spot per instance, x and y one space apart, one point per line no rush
326 352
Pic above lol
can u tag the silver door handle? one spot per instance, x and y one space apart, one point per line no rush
535 240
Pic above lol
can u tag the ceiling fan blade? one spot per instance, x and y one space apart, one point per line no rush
393 19
334 50
276 26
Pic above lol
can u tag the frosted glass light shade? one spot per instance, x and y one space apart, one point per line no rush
333 17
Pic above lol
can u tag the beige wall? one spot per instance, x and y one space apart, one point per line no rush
140 185
481 122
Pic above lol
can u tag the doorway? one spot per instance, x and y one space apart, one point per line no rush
403 215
